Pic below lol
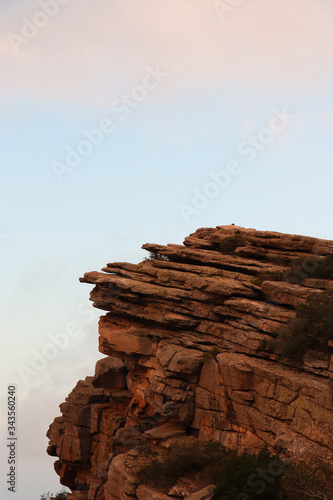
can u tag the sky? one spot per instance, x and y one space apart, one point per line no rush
126 122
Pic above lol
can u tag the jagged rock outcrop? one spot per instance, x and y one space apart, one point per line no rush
187 337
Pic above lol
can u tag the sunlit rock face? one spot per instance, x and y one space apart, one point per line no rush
187 337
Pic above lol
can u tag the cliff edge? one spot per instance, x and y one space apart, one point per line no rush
189 336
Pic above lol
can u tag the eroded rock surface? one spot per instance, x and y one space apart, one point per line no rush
186 336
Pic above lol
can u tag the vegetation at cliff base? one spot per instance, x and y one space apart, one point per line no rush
180 462
237 477
300 481
211 463
252 476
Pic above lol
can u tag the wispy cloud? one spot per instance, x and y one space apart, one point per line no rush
91 53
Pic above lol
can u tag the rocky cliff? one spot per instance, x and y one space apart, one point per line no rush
187 336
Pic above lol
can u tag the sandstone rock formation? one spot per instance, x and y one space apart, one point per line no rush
187 337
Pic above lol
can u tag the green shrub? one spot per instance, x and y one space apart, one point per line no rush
212 353
156 256
62 495
249 476
293 341
232 474
325 268
301 268
309 267
244 477
229 244
179 462
301 482
271 344
312 328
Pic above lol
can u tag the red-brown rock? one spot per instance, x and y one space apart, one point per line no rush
186 334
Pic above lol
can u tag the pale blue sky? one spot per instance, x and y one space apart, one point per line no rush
225 79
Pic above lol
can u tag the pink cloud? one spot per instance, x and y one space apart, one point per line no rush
92 53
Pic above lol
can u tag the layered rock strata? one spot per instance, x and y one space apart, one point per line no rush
187 336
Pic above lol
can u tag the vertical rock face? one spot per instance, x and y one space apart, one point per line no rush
187 336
